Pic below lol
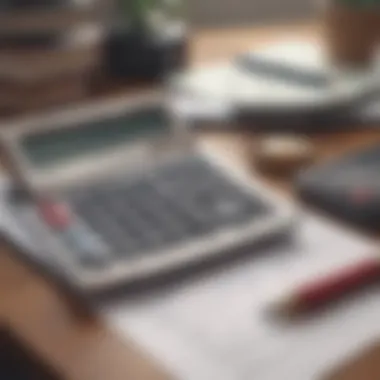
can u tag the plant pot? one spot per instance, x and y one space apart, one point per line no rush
351 34
138 55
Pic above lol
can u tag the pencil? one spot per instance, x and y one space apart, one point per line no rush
316 294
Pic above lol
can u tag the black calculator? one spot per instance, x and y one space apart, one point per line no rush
119 191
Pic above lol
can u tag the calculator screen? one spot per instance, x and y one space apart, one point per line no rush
47 148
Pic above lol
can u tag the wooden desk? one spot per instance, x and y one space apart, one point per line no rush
85 350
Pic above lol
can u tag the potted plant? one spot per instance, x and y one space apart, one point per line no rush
352 29
138 47
135 14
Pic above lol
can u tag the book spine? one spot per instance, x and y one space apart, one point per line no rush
45 20
58 92
41 65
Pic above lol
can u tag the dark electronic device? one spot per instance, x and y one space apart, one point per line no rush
347 187
119 191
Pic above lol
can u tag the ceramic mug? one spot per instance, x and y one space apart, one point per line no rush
351 34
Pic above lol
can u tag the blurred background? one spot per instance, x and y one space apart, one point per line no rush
275 87
230 12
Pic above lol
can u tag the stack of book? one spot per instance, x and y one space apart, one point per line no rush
49 49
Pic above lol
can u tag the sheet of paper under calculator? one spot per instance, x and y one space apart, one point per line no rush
214 327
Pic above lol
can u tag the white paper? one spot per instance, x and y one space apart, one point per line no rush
229 85
216 327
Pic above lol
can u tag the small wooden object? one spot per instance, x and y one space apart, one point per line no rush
282 155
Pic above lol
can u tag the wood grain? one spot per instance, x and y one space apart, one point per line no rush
364 366
83 349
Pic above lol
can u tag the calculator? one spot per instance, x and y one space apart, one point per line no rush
120 191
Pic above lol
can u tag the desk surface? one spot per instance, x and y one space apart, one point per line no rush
84 349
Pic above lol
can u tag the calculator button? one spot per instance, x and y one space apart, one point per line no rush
133 223
157 214
56 215
171 205
110 227
89 249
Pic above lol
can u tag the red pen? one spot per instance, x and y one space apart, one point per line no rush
318 293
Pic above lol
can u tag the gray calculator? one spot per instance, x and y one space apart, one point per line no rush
120 191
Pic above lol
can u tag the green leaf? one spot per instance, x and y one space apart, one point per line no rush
136 10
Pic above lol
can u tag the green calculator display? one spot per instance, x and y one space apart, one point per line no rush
48 148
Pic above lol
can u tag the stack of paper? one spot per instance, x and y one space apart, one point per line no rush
215 91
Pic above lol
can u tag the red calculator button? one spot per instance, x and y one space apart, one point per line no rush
57 215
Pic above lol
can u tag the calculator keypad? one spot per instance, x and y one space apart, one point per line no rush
170 205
